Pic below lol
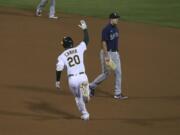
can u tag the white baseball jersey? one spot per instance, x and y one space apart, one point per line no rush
72 59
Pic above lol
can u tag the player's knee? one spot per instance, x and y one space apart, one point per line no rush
118 73
85 84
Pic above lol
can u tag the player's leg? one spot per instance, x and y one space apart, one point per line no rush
75 89
82 108
52 10
117 72
84 88
99 79
40 7
118 76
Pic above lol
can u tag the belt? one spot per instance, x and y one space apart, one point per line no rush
75 74
112 50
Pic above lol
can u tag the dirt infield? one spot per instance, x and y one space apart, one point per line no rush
30 105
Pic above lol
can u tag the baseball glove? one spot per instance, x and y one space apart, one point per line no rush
110 64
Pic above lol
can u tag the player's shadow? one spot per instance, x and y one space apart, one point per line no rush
154 98
40 111
102 93
47 109
28 13
36 89
143 121
25 114
17 13
109 94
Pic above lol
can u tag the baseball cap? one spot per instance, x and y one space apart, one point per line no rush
114 15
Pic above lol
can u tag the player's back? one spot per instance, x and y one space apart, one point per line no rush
73 59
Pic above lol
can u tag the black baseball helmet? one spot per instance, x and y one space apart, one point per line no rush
67 42
114 15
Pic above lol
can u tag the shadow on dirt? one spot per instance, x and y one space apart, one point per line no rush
40 111
43 107
37 89
17 13
144 121
154 98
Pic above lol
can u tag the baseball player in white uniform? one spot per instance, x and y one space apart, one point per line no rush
73 60
42 4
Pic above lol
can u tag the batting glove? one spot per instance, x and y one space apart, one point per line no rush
83 25
58 84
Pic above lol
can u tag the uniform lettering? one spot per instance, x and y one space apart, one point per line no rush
70 52
114 35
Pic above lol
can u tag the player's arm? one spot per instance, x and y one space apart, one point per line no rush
104 47
59 69
86 36
58 78
83 26
58 75
104 44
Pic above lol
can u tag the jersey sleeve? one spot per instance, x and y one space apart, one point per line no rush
82 46
59 64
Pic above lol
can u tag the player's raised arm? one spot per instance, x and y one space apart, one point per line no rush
83 26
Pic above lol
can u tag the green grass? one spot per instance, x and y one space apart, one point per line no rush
162 12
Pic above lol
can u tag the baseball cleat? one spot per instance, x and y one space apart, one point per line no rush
92 91
53 17
120 96
85 116
38 13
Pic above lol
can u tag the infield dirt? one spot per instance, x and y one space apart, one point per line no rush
30 104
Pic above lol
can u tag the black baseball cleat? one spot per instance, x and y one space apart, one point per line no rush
92 91
120 96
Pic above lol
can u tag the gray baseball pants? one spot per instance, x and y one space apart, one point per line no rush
106 72
43 3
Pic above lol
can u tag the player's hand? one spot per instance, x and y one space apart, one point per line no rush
83 25
57 84
106 57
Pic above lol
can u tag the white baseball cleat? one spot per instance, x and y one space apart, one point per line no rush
38 12
85 116
53 17
120 96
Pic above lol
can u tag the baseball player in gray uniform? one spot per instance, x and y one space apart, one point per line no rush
42 4
109 52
